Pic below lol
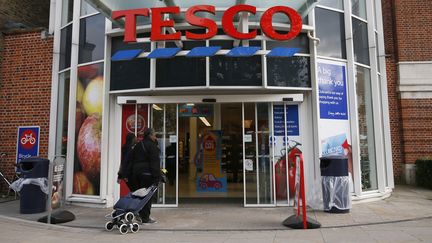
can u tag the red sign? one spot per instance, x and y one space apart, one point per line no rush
158 23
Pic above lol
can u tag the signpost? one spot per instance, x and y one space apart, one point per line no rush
27 142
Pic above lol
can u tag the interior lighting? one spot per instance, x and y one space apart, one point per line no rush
204 120
156 107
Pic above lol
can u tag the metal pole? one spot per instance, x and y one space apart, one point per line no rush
50 185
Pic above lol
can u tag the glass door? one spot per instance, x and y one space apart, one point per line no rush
258 154
163 120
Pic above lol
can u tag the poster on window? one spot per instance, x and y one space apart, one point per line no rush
334 127
134 121
210 176
88 129
286 135
334 130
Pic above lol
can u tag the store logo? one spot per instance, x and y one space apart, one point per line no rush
159 23
140 122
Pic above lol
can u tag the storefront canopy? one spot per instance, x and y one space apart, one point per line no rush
107 6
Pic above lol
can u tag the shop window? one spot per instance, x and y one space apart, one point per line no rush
331 31
117 44
288 72
67 12
86 8
180 71
187 45
62 113
88 129
366 129
235 71
65 47
301 42
92 38
332 4
358 8
132 74
360 39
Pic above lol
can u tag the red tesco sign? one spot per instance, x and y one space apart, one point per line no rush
158 23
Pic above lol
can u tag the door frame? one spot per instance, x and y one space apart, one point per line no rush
241 98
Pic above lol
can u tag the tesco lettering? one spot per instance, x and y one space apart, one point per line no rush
158 23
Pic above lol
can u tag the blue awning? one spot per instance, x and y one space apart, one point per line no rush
203 51
243 51
164 52
283 52
125 55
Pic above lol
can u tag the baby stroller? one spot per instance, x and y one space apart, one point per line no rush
127 208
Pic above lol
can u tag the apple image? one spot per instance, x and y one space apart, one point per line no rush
88 72
89 146
92 97
79 117
82 185
80 91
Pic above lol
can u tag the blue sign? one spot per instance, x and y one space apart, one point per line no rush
27 142
332 91
292 120
334 145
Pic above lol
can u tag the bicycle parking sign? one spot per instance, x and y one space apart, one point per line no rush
27 142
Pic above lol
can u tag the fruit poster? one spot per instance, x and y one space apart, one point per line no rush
88 129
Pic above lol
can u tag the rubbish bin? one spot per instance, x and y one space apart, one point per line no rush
34 175
335 184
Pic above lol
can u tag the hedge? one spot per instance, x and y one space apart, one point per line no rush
424 172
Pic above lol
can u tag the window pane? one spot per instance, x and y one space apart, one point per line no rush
65 47
332 3
132 74
288 72
360 39
86 8
180 71
366 129
301 42
62 113
359 8
331 31
235 71
92 38
67 11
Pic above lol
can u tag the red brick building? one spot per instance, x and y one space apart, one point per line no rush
408 43
26 74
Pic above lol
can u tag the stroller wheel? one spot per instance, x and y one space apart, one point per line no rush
129 217
123 229
134 227
109 226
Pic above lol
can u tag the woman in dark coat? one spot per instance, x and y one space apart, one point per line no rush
145 168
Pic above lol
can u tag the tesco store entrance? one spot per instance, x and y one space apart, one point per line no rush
223 148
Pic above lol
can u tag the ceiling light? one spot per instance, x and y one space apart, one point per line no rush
156 107
204 120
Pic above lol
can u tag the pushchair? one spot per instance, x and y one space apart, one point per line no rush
126 210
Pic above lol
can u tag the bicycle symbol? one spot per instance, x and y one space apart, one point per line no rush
28 138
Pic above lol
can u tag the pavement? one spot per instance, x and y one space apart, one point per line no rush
406 216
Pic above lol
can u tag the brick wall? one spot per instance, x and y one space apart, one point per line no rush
413 26
407 25
25 91
417 128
